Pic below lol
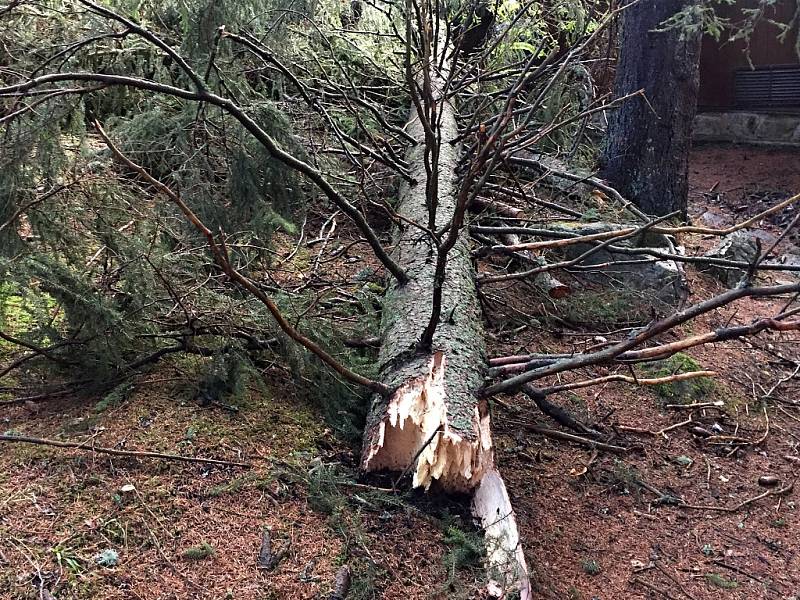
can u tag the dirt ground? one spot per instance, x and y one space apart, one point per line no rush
594 525
591 526
59 510
731 183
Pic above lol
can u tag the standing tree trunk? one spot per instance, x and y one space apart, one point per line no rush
648 141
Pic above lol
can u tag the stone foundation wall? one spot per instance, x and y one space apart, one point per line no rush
747 128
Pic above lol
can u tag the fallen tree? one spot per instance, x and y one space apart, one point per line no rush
432 417
433 423
429 414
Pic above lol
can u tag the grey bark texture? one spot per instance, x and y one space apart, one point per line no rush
458 344
433 423
648 139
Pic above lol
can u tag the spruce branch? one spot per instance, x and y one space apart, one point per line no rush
220 254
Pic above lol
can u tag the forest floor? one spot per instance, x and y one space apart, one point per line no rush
592 524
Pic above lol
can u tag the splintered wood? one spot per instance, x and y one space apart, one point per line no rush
416 426
505 559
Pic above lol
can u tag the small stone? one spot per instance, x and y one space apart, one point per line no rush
699 431
107 558
768 480
739 246
713 219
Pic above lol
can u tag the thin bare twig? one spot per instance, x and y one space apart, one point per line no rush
22 439
731 509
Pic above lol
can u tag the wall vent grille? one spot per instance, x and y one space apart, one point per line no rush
768 88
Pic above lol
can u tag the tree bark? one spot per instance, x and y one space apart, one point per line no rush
648 140
433 424
434 412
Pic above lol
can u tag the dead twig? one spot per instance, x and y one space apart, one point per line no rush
718 404
674 580
557 413
736 569
628 379
652 588
660 432
731 509
740 441
22 439
267 559
568 437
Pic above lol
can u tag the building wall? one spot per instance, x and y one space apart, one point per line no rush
719 61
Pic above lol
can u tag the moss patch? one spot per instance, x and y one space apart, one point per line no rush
721 582
200 552
685 392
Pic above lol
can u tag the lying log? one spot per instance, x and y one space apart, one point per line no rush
433 424
525 259
433 419
434 412
505 558
498 207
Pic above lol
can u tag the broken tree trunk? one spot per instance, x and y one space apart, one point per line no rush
433 424
434 391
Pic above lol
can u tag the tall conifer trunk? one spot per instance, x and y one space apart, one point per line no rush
648 141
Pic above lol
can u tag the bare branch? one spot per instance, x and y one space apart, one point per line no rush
638 337
22 439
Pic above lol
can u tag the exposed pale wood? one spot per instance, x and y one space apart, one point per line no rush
507 567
